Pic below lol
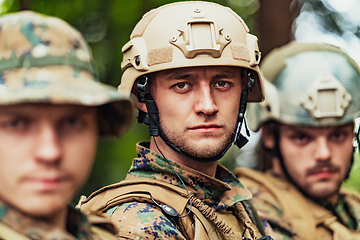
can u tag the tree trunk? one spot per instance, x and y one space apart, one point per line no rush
275 19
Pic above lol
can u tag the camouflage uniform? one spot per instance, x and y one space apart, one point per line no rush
25 227
146 220
174 36
280 212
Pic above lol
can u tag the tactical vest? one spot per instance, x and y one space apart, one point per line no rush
103 231
202 224
308 219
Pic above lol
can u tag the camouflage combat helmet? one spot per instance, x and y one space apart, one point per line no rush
315 85
189 34
44 59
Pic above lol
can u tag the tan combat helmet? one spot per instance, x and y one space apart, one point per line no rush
45 60
190 34
187 34
313 85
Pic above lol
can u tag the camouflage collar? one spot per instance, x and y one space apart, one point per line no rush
340 205
352 200
220 192
77 225
346 209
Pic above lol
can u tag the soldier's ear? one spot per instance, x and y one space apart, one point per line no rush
267 137
141 105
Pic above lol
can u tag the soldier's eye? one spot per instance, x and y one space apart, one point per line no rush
15 123
223 85
181 87
72 122
338 136
300 138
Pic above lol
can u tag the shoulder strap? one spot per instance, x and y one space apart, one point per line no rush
7 233
137 189
103 234
254 216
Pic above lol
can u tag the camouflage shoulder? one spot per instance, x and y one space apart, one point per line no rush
350 193
272 216
7 233
102 228
265 202
136 220
352 198
263 198
102 234
278 233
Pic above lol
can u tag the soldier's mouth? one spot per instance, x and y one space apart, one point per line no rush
323 172
206 128
46 184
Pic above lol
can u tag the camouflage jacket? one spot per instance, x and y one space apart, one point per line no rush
16 225
293 216
144 220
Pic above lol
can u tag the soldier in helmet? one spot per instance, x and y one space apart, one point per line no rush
193 66
52 111
306 149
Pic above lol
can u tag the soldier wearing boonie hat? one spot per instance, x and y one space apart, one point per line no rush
52 111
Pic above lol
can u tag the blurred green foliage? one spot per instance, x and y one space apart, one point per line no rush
106 25
353 181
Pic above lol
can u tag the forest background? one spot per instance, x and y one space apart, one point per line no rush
107 24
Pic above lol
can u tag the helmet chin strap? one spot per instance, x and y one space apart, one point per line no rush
276 152
151 118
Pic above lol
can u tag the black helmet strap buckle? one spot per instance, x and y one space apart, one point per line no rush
239 139
150 118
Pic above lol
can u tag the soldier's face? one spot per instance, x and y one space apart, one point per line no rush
46 152
317 158
198 107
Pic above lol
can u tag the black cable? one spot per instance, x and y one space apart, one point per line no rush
182 182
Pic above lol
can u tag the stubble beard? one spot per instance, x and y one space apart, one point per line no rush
322 193
196 150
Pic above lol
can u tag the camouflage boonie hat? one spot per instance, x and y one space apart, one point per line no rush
315 84
45 60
